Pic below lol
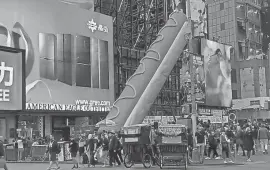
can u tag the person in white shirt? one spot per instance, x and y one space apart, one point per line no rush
20 149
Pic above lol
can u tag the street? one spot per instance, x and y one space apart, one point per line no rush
259 161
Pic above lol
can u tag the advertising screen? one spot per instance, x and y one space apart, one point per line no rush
247 83
11 79
217 68
69 54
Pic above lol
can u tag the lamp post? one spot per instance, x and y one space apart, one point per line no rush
191 58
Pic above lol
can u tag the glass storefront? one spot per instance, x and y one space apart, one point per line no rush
30 126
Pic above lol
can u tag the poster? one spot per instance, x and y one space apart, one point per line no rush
262 81
185 80
69 54
247 83
217 68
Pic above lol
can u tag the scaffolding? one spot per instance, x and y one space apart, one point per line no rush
136 24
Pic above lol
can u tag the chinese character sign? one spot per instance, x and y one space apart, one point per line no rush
11 81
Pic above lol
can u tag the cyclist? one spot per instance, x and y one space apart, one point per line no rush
155 139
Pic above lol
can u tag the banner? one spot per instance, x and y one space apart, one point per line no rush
214 119
11 79
262 81
247 83
217 69
69 52
199 79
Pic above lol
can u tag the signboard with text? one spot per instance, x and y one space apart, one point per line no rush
69 59
11 79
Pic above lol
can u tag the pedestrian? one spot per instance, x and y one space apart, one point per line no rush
53 149
212 146
73 149
263 136
248 143
2 155
225 141
105 149
113 148
239 140
82 145
119 148
201 141
91 149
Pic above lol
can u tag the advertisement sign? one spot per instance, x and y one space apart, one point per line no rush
199 18
247 83
11 79
217 68
69 54
185 80
214 119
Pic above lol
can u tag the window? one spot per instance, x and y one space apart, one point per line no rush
234 94
234 77
222 26
74 60
221 6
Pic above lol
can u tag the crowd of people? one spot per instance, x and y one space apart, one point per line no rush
105 148
228 139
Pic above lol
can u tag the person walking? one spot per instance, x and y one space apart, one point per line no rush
82 144
91 149
119 148
113 148
105 149
212 146
239 140
263 136
53 149
2 155
225 141
73 149
248 143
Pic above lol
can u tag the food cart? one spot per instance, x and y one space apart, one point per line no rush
174 146
136 145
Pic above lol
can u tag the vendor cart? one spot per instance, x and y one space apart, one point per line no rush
136 141
174 146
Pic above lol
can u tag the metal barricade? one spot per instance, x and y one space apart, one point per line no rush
38 152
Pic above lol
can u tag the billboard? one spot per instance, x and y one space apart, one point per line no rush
217 68
69 54
199 16
247 83
11 79
185 79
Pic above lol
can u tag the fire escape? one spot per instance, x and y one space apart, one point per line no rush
136 24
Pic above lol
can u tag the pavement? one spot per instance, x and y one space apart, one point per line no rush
259 161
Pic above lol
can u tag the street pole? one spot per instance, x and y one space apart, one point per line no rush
191 58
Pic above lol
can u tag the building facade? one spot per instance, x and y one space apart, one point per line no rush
241 24
69 70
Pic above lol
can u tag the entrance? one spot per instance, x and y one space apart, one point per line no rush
60 128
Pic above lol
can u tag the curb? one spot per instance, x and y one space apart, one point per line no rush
218 164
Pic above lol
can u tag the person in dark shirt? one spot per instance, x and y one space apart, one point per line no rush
113 148
73 149
212 145
105 148
201 140
2 155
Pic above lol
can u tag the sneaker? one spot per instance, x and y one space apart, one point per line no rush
207 158
230 161
217 158
249 160
225 162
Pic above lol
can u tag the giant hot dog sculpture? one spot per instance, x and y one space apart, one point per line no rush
137 83
157 82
